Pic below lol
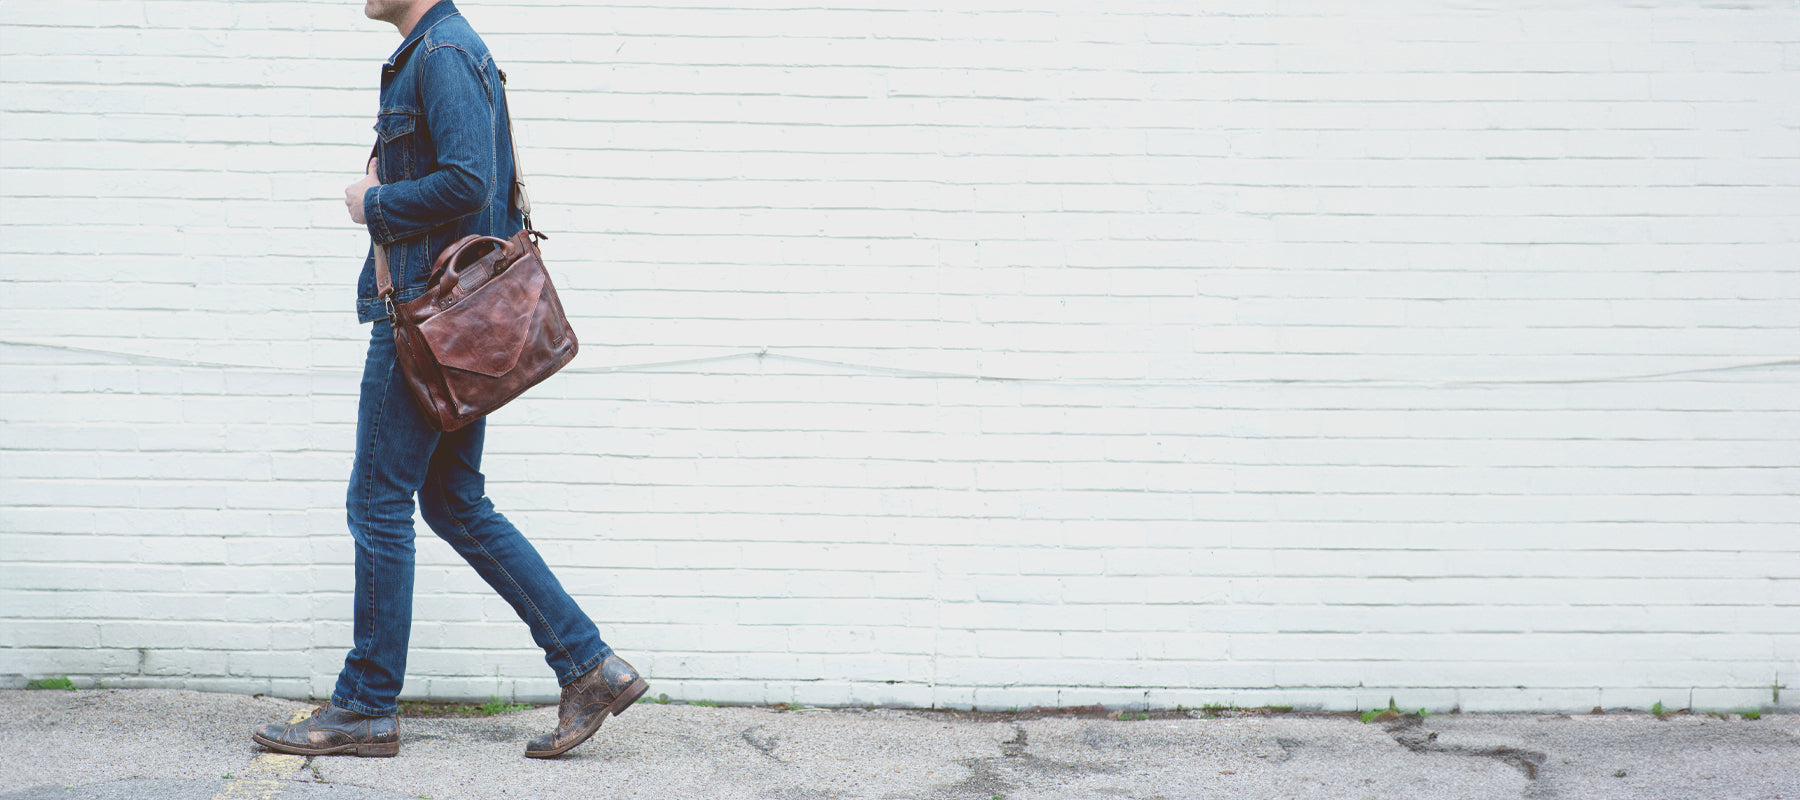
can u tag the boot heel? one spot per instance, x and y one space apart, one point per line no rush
630 695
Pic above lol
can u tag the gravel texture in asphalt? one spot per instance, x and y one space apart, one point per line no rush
179 745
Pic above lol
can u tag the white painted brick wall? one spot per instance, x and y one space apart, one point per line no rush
993 354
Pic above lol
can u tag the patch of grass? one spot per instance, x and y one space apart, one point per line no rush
426 708
58 682
1133 716
704 703
788 707
1750 715
1215 710
1389 714
495 705
1658 710
661 699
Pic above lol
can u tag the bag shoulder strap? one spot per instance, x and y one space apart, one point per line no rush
384 279
520 197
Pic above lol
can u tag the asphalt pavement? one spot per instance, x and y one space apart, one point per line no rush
151 744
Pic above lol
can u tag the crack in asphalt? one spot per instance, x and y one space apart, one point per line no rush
1288 746
763 744
986 779
1409 732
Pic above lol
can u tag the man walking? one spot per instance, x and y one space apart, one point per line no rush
442 169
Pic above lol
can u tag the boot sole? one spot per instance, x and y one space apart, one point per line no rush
616 707
363 749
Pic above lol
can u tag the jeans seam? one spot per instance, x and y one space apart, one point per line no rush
443 496
588 665
359 684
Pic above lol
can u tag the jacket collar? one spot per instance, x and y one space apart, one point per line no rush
438 13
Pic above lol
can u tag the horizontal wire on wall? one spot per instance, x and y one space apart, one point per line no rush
762 354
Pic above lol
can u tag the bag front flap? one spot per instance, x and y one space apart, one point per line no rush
486 331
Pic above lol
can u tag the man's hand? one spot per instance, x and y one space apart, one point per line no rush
353 194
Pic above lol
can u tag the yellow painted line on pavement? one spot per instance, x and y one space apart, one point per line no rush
268 773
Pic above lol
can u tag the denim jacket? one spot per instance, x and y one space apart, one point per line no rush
446 165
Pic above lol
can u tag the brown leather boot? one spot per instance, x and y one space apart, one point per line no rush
606 690
333 731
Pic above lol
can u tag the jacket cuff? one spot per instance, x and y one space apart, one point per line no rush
377 222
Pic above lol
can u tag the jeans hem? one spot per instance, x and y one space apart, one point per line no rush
586 666
359 708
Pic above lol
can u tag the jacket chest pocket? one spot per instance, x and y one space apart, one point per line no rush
398 144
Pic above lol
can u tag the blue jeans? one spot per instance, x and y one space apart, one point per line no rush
398 456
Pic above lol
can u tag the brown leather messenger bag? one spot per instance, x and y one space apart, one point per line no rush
489 325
